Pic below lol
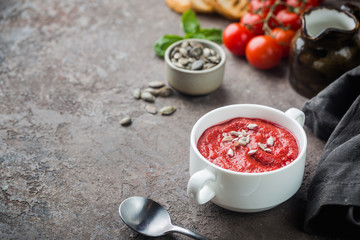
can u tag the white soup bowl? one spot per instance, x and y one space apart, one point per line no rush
246 192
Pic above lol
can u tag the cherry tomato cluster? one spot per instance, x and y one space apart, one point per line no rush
264 33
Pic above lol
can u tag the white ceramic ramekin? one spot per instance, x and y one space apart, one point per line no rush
246 192
195 82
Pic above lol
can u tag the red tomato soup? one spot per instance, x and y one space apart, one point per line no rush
248 145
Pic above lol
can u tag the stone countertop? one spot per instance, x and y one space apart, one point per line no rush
68 69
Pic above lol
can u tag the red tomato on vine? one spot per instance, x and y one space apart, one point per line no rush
254 22
289 19
304 4
262 7
235 38
263 52
283 37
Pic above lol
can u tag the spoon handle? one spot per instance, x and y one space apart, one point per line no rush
188 233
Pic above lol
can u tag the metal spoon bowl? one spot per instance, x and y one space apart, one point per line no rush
150 218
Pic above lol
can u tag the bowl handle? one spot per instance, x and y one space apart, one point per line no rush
199 188
296 114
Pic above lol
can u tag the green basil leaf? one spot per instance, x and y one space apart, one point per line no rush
214 35
216 39
189 22
192 35
211 31
164 42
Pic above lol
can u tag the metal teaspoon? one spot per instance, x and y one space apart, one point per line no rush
150 218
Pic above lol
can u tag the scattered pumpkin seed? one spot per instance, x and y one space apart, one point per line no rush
156 84
153 91
151 109
149 94
125 121
146 96
267 150
165 92
137 93
168 110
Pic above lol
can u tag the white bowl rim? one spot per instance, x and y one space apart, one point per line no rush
213 45
300 156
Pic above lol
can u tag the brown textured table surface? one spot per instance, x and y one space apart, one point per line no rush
67 71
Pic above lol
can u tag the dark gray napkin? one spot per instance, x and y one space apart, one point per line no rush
333 206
